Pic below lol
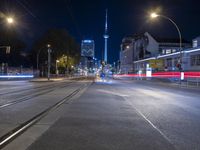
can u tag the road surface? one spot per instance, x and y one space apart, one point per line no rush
109 115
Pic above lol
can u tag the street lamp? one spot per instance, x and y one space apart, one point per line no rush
155 15
10 20
49 61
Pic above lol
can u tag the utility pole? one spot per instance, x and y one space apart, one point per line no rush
49 61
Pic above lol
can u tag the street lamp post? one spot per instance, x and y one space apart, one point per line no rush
49 61
155 15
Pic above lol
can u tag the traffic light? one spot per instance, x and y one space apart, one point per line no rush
179 66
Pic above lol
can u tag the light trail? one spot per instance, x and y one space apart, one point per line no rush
164 75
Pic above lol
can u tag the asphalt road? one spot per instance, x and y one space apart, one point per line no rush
22 100
111 115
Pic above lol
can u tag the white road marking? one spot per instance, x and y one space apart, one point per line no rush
147 120
110 92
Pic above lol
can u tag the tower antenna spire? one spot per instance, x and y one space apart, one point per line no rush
106 22
106 36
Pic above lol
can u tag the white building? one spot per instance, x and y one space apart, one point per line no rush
126 55
168 62
144 47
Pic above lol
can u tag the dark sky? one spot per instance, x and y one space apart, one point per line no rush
85 19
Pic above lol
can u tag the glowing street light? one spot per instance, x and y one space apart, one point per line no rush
155 15
48 45
10 20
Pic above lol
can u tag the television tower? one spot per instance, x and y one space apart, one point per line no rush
106 36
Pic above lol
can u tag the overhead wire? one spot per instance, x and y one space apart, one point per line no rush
70 10
26 8
24 5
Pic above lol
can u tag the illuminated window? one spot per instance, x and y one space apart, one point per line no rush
169 62
168 51
173 50
195 60
176 60
194 43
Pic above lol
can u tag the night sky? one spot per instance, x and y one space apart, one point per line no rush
84 19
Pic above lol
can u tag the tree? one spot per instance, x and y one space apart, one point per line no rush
61 44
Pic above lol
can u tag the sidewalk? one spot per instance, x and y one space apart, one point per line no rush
52 79
182 84
164 82
46 80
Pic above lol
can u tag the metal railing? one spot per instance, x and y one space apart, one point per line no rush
193 82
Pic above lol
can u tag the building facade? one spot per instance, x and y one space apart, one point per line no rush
126 55
144 47
171 61
87 55
87 48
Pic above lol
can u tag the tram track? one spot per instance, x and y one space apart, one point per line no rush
14 133
46 87
27 89
26 98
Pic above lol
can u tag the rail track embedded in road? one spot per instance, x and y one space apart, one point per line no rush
26 98
11 135
27 89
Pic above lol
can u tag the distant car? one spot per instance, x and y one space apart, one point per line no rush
102 75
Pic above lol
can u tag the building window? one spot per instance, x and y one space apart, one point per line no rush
168 51
194 43
169 62
176 61
195 60
173 50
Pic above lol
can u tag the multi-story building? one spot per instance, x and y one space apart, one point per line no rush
171 61
126 55
87 48
144 47
87 55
